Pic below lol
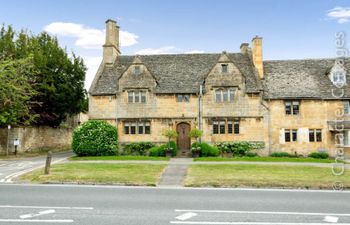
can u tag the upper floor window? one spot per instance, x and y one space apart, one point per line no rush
137 128
183 98
292 107
338 77
290 135
315 135
346 107
137 70
224 95
224 68
136 96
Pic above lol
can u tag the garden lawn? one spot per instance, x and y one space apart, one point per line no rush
126 157
263 176
98 173
265 159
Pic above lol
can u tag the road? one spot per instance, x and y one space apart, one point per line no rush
9 169
102 205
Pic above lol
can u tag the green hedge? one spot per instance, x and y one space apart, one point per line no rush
137 148
160 150
319 155
240 148
95 138
206 149
281 154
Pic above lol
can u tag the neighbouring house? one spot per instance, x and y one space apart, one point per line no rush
290 105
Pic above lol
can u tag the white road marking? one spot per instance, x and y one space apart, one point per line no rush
247 223
186 216
2 180
263 212
44 207
45 212
35 221
331 219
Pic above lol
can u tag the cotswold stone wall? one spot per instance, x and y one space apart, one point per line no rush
36 138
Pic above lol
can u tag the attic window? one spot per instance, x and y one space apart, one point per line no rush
224 68
338 77
137 70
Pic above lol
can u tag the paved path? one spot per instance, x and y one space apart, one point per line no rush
12 168
175 173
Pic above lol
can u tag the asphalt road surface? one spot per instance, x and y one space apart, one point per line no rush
10 169
100 205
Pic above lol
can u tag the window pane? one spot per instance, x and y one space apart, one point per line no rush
133 128
218 95
126 128
141 128
224 68
232 95
295 107
179 98
346 138
186 98
225 95
288 108
137 70
222 127
229 127
287 135
137 96
346 107
215 128
318 135
236 127
143 96
311 135
294 135
147 128
130 96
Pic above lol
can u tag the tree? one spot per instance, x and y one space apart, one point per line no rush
195 133
170 134
16 92
58 81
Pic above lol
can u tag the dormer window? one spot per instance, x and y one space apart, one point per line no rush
224 68
137 70
338 77
136 96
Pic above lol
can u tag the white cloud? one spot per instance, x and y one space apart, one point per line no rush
194 52
156 51
341 14
92 63
86 37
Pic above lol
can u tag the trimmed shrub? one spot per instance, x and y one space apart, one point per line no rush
319 155
160 150
281 154
239 148
251 154
95 138
206 149
137 148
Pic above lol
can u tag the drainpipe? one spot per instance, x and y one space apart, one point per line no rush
200 110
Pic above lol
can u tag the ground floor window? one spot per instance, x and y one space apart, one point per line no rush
143 127
223 127
290 135
315 135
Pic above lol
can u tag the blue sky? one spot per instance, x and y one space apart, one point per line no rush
290 28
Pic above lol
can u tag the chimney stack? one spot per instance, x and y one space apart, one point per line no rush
244 48
257 55
111 46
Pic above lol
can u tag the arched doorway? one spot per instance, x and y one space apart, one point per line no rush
183 140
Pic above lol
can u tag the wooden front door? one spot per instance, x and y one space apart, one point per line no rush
183 141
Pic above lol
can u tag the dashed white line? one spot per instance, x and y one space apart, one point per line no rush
45 212
186 216
331 219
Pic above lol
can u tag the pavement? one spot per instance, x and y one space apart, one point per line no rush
12 168
175 173
104 205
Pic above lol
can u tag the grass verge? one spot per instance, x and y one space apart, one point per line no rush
264 159
33 153
263 176
124 157
98 173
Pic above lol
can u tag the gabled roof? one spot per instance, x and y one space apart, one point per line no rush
301 79
175 73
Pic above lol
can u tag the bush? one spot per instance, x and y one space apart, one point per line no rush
95 138
137 148
251 154
281 154
319 155
160 150
239 148
206 149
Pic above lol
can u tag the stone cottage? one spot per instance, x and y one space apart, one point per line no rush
295 106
